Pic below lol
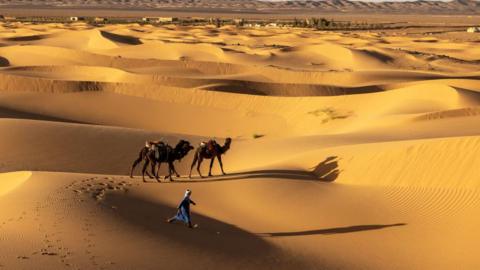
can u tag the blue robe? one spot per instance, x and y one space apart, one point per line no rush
183 213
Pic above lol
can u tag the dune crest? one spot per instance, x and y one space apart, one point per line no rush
10 181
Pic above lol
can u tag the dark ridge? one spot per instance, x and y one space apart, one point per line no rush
121 38
19 114
4 62
26 38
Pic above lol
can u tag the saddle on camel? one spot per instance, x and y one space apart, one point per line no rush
155 147
208 147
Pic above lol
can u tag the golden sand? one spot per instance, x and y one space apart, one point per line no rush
350 150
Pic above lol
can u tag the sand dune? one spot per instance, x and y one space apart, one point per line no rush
350 150
12 180
345 216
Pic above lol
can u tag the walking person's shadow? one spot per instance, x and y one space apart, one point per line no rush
338 230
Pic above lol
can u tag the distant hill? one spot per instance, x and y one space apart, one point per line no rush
342 6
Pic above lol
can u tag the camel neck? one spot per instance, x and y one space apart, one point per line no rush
225 148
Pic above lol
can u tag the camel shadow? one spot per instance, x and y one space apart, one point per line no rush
274 174
338 230
327 170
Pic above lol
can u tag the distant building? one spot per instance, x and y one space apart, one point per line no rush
195 19
100 20
158 19
473 30
76 19
272 25
7 18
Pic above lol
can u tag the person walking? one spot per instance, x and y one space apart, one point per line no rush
183 210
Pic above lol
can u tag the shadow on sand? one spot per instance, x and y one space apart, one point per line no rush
325 171
212 237
338 230
17 114
282 174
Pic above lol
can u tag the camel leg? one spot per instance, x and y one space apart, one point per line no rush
148 161
168 174
158 171
141 156
195 158
174 170
211 165
144 169
149 175
135 163
170 165
154 164
200 160
221 163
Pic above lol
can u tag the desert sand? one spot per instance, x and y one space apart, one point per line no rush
351 150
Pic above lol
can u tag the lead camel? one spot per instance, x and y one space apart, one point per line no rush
210 150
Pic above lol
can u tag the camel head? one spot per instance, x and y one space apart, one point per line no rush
226 146
182 149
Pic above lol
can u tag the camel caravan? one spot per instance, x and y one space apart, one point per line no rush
154 153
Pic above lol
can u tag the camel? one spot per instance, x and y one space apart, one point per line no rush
161 153
144 152
181 150
210 150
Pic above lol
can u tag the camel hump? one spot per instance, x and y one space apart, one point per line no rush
207 143
156 146
211 146
208 146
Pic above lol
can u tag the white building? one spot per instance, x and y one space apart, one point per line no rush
473 30
76 19
157 19
100 20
